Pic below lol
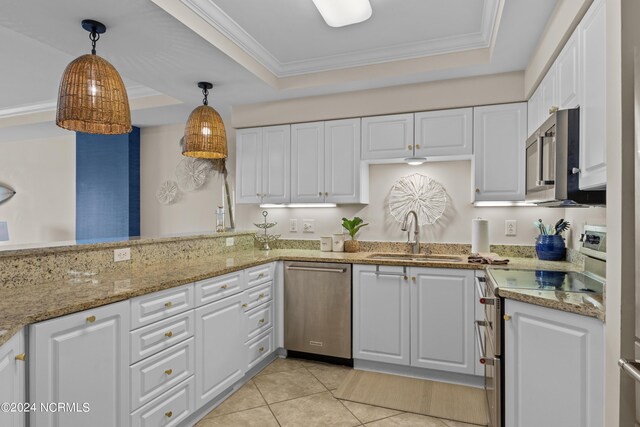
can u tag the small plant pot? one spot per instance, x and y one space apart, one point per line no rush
351 246
551 247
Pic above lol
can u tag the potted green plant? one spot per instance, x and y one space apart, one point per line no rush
352 226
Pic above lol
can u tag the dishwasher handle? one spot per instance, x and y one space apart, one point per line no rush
631 367
318 269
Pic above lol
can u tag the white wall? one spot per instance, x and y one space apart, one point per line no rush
43 173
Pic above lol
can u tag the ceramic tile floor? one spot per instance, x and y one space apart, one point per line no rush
298 393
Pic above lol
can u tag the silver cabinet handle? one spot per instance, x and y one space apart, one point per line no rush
632 368
483 297
483 357
320 269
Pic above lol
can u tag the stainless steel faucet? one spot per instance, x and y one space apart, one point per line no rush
415 245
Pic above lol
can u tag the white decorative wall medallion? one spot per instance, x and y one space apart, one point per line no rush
192 173
419 193
167 192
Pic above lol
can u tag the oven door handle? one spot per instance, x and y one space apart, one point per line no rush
483 297
483 357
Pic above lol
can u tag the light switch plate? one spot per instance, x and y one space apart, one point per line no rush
123 254
510 227
230 241
308 225
293 225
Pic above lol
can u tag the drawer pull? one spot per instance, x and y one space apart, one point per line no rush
224 286
168 334
168 304
261 321
168 414
260 276
261 349
260 296
245 305
506 317
22 357
409 147
169 371
417 146
91 319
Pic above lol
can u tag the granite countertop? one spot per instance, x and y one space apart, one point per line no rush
21 306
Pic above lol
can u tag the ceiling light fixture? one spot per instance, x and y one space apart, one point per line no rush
338 13
205 136
415 161
92 97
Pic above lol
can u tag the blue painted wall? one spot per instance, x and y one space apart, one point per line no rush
107 186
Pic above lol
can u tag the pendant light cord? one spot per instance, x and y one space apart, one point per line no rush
205 92
94 37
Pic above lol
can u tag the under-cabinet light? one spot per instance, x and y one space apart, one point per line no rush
501 204
298 205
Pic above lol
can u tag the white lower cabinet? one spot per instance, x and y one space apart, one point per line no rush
259 348
12 379
442 316
82 358
168 410
554 367
220 350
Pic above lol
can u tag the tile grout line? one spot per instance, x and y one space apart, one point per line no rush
268 406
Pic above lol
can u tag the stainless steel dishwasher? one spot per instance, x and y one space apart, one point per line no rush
317 308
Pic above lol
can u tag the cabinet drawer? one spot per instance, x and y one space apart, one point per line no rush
259 274
169 409
259 320
150 339
259 348
156 374
215 288
147 309
256 296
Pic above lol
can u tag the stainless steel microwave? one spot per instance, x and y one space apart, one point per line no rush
553 162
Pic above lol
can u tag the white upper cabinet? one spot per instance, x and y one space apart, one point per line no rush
12 379
249 165
345 178
555 359
499 152
442 316
276 149
307 163
444 133
548 95
533 112
568 73
593 138
387 137
82 357
262 164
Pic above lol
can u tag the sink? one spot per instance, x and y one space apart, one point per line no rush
416 257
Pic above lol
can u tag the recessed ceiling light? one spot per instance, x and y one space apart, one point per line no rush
338 13
415 161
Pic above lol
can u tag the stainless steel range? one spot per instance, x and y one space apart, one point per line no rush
589 283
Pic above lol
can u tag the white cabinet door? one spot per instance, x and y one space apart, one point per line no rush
381 314
342 166
593 138
82 358
444 133
567 73
555 359
276 149
307 163
442 319
220 351
548 94
533 112
387 137
12 379
499 152
249 165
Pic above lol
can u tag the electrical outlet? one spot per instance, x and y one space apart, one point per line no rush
230 241
123 254
293 225
510 227
308 225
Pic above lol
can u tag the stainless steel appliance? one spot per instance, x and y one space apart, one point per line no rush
317 308
553 164
589 283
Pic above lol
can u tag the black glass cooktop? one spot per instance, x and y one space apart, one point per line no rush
566 281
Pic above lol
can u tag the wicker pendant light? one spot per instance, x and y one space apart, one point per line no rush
92 97
204 135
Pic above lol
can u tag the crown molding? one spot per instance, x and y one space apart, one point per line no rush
217 18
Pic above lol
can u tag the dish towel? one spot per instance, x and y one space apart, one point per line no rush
488 258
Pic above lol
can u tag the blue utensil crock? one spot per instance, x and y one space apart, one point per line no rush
550 247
